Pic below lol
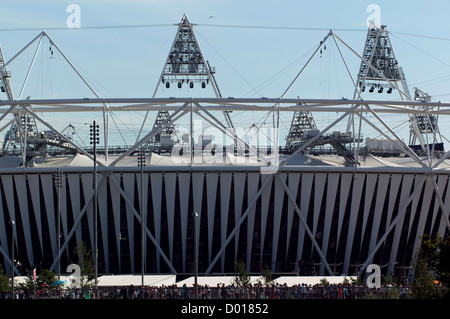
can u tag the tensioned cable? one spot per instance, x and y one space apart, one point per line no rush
131 26
229 64
125 26
417 48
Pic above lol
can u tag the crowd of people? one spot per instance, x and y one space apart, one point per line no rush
222 291
274 291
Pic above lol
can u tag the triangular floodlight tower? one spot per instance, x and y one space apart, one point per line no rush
379 71
379 53
302 123
426 125
5 85
24 127
185 65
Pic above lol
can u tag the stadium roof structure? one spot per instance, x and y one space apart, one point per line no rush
412 171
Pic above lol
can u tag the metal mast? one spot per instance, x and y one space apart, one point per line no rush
303 128
185 65
378 53
380 71
5 86
424 124
302 123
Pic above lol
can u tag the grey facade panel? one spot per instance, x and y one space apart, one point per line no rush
346 215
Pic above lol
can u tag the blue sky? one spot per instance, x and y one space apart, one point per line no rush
126 62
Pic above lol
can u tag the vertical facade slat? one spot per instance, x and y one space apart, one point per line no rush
445 218
306 185
383 180
115 204
212 180
252 189
47 179
33 183
170 180
371 181
156 184
277 212
74 189
293 183
358 185
22 196
346 180
9 196
424 210
3 239
442 181
332 188
87 182
320 180
225 193
103 220
265 201
239 186
404 195
128 188
415 205
396 179
184 182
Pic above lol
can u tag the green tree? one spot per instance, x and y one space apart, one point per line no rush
29 282
84 259
5 281
432 263
393 292
242 278
266 274
45 278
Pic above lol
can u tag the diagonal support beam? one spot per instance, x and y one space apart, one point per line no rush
404 147
228 133
172 118
59 133
138 218
105 106
8 260
319 135
302 219
445 211
401 212
101 180
238 225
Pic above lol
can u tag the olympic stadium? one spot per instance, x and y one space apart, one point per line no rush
328 200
